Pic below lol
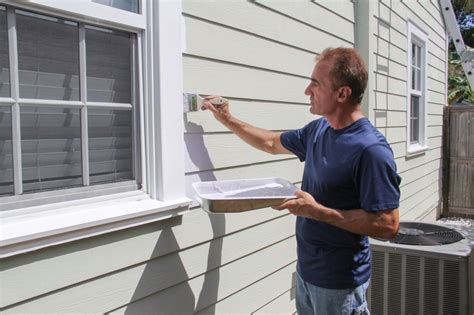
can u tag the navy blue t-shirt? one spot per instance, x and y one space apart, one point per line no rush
345 169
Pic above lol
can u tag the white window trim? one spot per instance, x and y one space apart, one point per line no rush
418 35
162 131
87 10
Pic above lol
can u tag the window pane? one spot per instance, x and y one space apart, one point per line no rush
418 80
6 158
127 5
418 56
413 77
414 119
4 63
413 54
108 66
51 148
48 57
110 145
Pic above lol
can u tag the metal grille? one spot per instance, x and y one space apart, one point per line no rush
377 283
394 283
431 286
415 233
451 280
412 293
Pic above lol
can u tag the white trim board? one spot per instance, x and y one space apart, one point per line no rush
73 220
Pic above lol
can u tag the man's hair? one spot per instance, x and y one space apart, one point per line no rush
348 69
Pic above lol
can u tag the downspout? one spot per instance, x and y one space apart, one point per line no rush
365 44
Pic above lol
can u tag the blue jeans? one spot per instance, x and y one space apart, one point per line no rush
311 299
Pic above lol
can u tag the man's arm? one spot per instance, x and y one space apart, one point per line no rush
262 139
383 224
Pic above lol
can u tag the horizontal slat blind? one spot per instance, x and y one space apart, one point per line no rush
48 57
108 56
113 163
60 166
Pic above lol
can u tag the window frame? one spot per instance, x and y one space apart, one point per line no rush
83 105
161 128
417 36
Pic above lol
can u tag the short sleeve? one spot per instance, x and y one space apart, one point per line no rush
377 179
296 140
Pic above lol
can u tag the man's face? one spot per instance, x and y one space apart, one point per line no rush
319 89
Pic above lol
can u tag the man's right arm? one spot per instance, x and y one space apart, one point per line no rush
262 139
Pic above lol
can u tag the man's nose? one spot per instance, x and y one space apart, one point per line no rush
307 91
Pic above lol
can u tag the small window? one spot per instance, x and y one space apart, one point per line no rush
416 94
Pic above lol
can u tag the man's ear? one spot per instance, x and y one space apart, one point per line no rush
344 93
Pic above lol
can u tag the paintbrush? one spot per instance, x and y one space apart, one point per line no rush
192 102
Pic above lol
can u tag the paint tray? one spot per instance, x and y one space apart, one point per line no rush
243 195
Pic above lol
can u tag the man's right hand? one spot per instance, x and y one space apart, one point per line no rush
221 112
262 139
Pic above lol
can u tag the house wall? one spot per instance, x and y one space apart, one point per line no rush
259 55
421 174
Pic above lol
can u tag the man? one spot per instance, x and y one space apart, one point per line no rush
350 187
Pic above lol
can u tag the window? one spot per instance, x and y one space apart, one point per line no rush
72 103
416 95
91 120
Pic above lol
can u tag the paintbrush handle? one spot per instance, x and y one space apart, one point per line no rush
218 101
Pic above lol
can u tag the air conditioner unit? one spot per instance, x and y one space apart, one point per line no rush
423 279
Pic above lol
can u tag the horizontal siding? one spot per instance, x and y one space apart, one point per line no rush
343 8
305 12
407 163
85 258
241 82
117 286
268 115
257 292
420 188
258 20
223 282
283 304
206 152
244 48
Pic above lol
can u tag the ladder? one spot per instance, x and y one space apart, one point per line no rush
465 53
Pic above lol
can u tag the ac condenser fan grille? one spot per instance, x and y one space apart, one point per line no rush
416 233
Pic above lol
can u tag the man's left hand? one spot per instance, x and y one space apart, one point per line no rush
303 205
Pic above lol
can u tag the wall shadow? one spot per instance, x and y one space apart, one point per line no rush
175 298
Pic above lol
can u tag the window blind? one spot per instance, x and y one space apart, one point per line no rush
48 57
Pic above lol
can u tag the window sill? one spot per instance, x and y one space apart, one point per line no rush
25 230
416 149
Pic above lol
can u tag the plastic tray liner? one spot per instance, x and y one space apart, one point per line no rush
244 194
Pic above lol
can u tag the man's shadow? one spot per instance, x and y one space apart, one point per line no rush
209 291
186 302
